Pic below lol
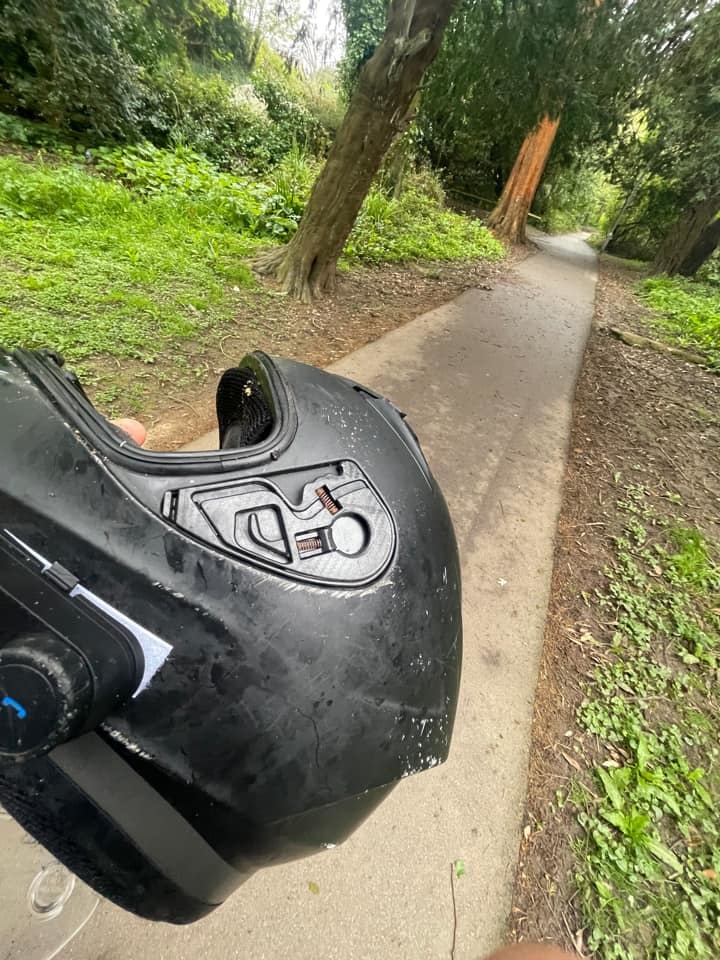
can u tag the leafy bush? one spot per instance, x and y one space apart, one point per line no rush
710 271
270 208
120 71
417 227
292 121
688 312
202 111
65 63
25 133
425 182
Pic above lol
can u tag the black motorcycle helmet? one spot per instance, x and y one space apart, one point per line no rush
212 662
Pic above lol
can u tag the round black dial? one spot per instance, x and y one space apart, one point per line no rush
46 694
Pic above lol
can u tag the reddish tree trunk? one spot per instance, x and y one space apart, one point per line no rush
684 234
377 113
509 217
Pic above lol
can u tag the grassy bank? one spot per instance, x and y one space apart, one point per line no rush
687 313
125 256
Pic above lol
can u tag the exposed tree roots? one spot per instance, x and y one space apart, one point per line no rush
635 340
302 276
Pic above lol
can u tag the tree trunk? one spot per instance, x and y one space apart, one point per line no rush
621 213
684 234
509 217
257 36
378 111
704 248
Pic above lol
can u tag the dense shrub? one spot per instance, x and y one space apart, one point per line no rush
417 227
262 208
172 72
65 63
202 111
292 121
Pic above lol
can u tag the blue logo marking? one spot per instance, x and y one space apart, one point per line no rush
17 707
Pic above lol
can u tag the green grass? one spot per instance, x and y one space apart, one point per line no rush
417 228
686 312
91 269
648 857
149 248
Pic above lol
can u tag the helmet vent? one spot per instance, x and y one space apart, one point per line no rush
244 414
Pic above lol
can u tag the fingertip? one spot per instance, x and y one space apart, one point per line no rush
135 430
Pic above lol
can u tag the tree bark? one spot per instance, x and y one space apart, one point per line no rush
621 213
684 234
509 218
257 35
704 248
377 112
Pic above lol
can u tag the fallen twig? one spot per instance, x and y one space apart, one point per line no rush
454 905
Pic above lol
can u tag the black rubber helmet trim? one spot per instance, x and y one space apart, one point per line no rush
153 826
60 390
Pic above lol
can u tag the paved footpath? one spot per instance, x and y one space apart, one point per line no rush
487 382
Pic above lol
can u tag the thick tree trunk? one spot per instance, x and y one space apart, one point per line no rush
684 234
704 248
509 217
377 113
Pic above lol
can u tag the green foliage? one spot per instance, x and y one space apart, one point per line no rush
572 197
205 112
123 258
710 271
687 312
364 26
205 30
647 858
269 209
676 105
417 227
173 72
91 268
64 62
28 133
292 120
504 65
644 221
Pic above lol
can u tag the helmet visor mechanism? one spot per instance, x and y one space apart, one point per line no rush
248 647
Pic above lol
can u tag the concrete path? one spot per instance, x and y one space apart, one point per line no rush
487 382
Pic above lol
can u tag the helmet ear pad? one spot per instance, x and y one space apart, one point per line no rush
243 412
49 806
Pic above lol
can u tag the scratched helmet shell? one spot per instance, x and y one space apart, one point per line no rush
215 661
